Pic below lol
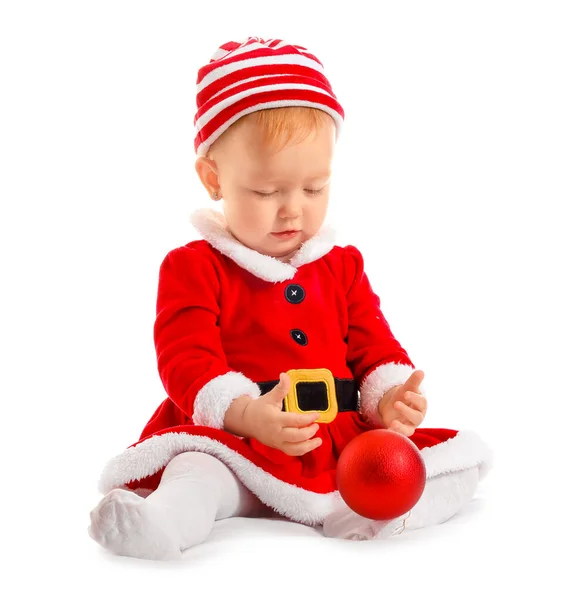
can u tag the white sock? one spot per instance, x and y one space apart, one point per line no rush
196 489
443 496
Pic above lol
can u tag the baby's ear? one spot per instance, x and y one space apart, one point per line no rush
207 170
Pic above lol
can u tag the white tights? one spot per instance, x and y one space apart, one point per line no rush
196 489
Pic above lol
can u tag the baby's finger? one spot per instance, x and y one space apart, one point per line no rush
402 428
413 415
299 434
416 400
300 448
292 419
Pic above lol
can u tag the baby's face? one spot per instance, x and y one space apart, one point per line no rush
265 193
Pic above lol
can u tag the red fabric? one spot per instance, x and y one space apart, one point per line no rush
315 471
214 317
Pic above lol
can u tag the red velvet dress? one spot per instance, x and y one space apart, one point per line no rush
228 319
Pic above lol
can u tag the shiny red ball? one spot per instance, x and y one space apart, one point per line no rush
381 474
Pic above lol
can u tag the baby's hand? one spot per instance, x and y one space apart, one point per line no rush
286 431
405 408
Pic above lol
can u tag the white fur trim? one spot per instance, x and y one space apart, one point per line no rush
149 456
214 398
314 248
212 225
464 451
377 383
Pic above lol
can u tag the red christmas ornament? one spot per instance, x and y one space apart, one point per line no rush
381 474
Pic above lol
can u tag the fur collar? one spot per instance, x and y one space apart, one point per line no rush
212 225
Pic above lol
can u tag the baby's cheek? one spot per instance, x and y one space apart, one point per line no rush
258 217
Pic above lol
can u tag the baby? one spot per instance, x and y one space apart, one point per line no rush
270 341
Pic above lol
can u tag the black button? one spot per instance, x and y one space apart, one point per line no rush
299 337
294 293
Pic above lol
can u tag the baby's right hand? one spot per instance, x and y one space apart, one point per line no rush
286 431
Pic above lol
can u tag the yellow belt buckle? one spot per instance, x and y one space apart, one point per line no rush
314 376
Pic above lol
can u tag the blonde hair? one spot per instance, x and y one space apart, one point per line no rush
283 125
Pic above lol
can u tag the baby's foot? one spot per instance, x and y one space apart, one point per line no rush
126 524
344 523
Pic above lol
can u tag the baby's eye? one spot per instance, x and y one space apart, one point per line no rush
267 194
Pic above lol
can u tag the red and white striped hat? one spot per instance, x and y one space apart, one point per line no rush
253 74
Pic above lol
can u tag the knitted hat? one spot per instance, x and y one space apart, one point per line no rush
243 77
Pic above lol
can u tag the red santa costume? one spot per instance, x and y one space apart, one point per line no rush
230 320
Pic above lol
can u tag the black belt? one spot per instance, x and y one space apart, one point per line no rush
312 395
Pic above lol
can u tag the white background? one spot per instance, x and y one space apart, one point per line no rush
454 178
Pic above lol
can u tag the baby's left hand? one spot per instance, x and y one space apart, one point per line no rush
406 407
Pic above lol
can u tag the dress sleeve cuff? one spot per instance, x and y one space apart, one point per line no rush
214 398
377 383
